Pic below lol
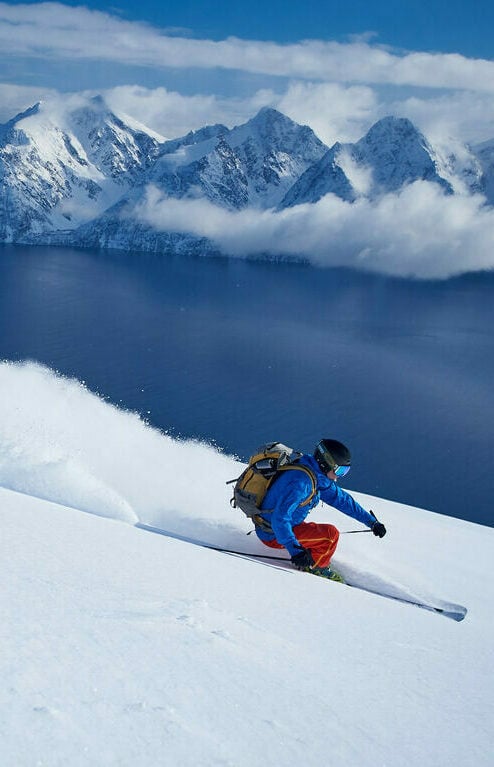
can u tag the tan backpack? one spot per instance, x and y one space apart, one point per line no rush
264 467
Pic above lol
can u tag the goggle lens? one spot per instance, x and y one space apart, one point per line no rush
341 471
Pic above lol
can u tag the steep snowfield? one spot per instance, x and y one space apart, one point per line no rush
124 647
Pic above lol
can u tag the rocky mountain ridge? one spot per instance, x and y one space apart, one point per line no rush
392 154
77 173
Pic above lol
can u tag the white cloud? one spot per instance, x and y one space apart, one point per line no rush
333 87
419 232
463 115
59 31
172 114
359 176
334 112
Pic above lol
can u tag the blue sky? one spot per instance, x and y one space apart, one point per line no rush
335 66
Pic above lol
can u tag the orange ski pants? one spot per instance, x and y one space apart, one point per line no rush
320 539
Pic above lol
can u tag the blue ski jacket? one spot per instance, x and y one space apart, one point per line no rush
290 490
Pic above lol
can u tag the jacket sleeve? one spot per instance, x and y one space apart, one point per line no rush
288 499
343 501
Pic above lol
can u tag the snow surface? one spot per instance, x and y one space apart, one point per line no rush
124 647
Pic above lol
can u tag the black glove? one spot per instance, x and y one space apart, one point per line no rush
378 529
303 559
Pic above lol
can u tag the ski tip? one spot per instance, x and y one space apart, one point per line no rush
455 612
456 615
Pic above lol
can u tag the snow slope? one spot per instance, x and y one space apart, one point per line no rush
123 647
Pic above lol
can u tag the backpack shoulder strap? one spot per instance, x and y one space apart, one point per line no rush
308 472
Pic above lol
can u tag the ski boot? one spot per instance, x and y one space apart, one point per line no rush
325 572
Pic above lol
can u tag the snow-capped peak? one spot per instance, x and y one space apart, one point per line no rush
398 154
29 112
269 122
64 161
391 154
251 164
401 128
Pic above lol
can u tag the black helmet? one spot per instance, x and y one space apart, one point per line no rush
330 453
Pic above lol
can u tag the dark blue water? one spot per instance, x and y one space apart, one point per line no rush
241 353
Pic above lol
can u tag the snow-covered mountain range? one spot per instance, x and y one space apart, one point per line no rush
76 173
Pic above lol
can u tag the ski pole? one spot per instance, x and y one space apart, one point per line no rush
268 556
349 532
245 553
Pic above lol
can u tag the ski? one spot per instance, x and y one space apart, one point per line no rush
446 609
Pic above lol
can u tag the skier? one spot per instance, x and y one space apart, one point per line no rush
280 523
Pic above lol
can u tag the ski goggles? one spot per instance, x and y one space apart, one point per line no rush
340 471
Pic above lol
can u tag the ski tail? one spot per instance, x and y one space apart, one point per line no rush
447 609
